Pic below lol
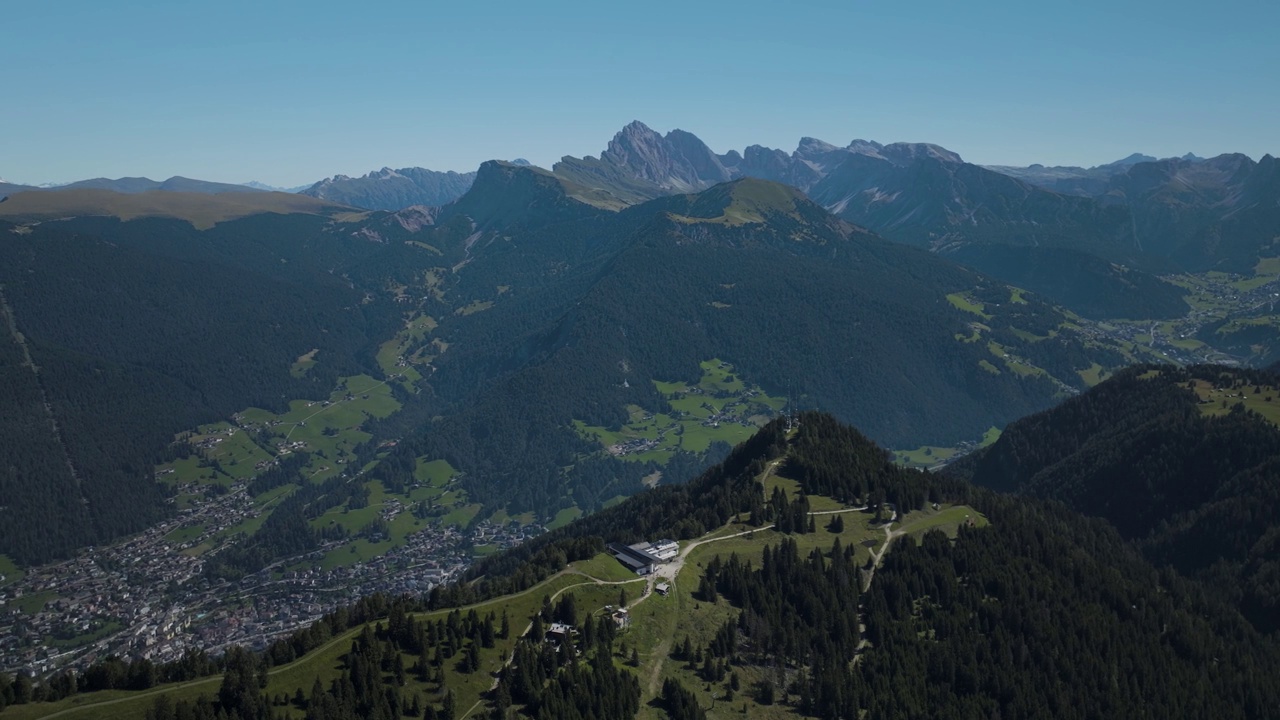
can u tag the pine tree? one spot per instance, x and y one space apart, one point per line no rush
837 524
449 711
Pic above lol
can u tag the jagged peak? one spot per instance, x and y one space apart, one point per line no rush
632 133
635 138
860 145
809 145
635 126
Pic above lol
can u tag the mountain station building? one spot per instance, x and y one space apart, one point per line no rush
641 558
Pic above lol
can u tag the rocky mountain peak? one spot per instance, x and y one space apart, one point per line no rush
814 146
678 162
907 153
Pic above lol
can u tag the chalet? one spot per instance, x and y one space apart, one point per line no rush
663 589
559 633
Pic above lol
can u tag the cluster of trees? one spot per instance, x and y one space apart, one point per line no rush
1195 490
110 673
16 690
680 703
787 516
1043 611
286 532
373 679
781 622
799 624
830 458
1047 612
572 680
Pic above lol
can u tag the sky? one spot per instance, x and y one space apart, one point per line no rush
289 92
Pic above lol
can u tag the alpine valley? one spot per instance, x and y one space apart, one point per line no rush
360 451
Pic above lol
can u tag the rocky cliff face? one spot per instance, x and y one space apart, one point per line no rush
1218 212
678 162
388 189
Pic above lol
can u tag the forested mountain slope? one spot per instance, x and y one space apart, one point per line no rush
143 329
592 307
499 320
1185 462
1035 611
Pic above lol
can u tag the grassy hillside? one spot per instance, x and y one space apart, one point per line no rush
202 210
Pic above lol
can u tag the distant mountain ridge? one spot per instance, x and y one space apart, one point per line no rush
916 193
254 184
177 183
1075 180
201 209
388 189
1200 213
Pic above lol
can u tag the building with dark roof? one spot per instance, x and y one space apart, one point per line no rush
639 562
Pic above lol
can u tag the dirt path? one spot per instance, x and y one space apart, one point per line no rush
837 512
877 557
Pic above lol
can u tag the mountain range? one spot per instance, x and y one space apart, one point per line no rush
590 340
925 195
388 189
1073 180
1119 222
552 304
1187 213
130 185
546 309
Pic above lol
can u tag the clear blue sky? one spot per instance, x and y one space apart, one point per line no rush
289 92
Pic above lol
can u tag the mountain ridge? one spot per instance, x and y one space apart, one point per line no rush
391 190
1180 460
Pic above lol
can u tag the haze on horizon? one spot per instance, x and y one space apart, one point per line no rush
288 93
